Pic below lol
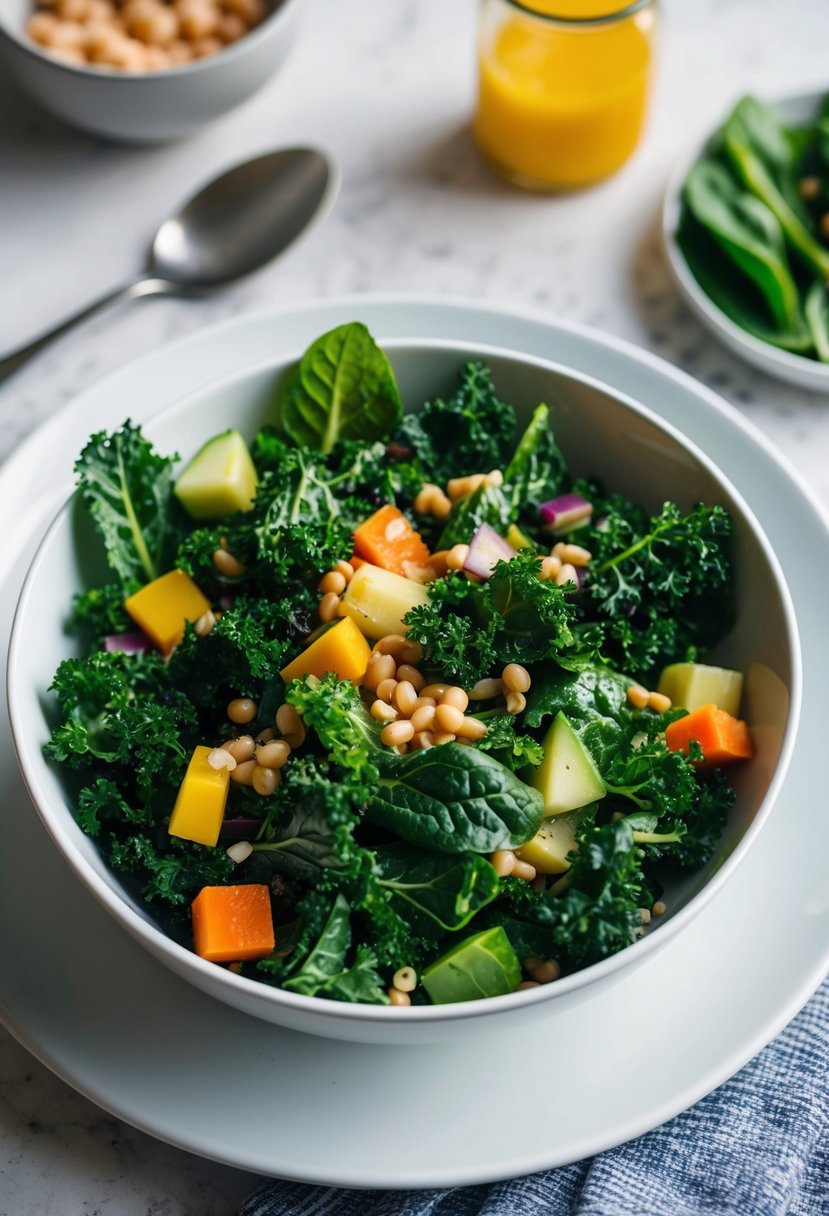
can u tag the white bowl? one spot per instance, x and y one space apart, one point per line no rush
146 107
638 455
795 369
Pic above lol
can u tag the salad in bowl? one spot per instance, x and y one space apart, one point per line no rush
402 709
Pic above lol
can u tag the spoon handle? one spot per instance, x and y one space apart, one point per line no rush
141 286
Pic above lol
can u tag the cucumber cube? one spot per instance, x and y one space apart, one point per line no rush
483 965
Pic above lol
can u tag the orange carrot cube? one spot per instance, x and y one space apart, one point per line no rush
233 924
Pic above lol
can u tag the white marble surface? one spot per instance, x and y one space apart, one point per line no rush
387 86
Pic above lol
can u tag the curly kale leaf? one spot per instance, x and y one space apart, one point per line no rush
127 488
506 744
99 612
470 432
456 641
333 709
171 871
662 587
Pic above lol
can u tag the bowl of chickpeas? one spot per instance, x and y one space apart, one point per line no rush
144 71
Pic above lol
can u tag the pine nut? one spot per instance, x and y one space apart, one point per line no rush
456 557
242 710
240 851
221 758
435 691
328 607
425 500
407 672
558 550
227 564
204 624
273 754
567 574
449 718
397 733
424 700
459 487
658 702
385 690
550 569
494 479
241 749
396 997
444 736
638 696
456 697
405 697
392 643
471 728
332 582
243 773
526 985
503 862
383 712
423 718
438 562
405 980
486 690
516 702
546 972
345 569
265 780
265 735
523 870
659 908
290 725
422 740
516 678
645 913
576 555
809 187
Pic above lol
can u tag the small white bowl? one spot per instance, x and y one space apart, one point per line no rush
795 369
146 107
602 432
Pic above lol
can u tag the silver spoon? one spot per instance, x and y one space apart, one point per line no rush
232 226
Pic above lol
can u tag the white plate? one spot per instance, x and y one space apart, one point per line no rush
795 369
125 1032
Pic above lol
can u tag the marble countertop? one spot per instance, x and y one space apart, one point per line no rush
387 86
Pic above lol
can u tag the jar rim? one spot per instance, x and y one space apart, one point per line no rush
627 10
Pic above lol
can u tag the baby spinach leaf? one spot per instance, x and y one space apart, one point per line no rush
450 890
343 388
127 487
454 799
575 693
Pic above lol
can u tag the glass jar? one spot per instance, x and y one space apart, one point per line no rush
563 87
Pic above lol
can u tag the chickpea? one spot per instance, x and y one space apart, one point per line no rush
152 23
198 19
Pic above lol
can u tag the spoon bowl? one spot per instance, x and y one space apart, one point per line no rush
232 226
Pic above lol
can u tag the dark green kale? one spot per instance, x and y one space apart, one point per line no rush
661 587
127 488
469 432
537 471
99 612
486 505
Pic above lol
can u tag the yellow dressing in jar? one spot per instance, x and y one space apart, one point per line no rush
563 87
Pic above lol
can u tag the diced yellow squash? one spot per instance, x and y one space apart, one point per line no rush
377 600
692 685
164 606
219 480
517 539
342 649
549 849
201 799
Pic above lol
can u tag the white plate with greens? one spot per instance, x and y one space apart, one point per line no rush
741 224
152 1050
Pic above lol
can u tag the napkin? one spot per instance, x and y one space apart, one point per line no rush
757 1146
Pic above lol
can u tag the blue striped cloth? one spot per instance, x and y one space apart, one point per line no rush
757 1146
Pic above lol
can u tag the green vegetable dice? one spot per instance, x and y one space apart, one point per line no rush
483 965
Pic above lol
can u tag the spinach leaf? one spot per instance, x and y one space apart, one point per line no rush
817 318
343 388
757 147
127 488
537 470
749 233
450 890
325 973
576 693
454 799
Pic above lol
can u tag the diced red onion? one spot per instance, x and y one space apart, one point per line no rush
564 512
127 643
240 827
486 549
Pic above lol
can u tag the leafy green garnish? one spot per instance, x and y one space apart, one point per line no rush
343 388
127 488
